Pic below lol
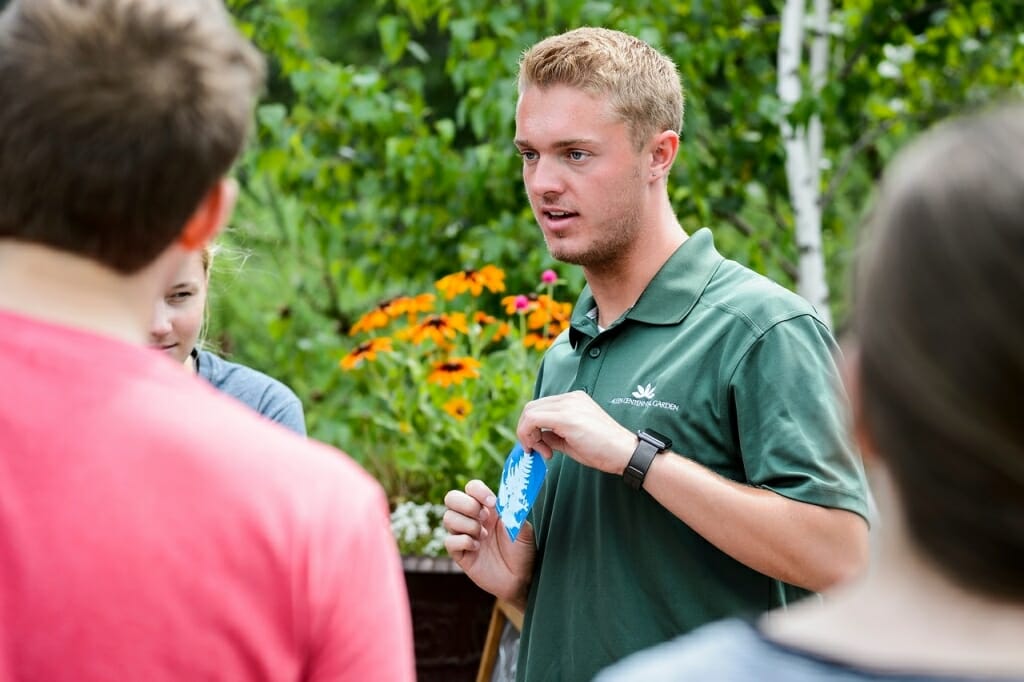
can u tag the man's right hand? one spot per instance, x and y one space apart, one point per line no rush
479 544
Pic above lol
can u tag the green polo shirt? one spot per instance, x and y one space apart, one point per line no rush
740 374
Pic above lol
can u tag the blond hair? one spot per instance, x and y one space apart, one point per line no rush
642 84
116 118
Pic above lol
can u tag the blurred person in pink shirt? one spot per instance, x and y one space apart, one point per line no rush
151 527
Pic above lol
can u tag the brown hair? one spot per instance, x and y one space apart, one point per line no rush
642 84
116 118
941 340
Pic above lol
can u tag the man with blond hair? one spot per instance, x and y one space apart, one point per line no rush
698 464
152 528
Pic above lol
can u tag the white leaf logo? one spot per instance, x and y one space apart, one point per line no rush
643 392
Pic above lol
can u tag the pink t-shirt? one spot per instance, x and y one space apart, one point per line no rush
153 529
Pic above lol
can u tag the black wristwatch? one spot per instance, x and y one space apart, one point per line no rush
651 443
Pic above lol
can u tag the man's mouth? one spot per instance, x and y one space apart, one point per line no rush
559 215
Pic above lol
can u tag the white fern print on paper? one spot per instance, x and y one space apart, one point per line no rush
512 492
521 480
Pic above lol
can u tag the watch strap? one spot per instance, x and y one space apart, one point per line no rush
639 463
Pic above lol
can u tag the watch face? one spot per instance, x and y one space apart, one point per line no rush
656 439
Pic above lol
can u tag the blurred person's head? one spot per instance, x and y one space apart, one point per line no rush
180 313
641 84
940 346
118 119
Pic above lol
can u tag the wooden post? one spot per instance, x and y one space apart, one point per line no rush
503 612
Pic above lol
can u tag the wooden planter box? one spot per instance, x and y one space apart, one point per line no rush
450 616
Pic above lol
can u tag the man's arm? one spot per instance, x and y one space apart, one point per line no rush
802 544
799 543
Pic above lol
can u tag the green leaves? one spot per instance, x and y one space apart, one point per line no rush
393 38
382 156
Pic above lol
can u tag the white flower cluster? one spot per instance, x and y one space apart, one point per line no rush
417 528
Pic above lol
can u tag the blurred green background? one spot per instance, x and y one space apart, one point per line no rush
383 157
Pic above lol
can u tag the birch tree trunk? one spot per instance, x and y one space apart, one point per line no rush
804 146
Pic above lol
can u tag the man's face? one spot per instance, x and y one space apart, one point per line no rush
583 177
178 313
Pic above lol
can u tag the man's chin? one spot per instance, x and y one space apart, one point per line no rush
563 254
585 259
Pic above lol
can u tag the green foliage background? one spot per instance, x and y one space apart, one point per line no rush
383 160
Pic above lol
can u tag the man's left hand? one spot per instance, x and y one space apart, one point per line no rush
574 424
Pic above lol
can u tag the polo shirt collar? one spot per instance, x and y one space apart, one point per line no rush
669 297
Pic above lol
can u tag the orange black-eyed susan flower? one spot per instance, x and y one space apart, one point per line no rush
459 408
438 328
366 351
410 305
546 311
542 339
453 371
391 308
375 319
501 332
474 281
485 320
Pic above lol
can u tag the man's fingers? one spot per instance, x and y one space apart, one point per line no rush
552 441
458 545
542 448
479 491
458 524
461 503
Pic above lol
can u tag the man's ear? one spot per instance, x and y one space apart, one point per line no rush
664 148
210 216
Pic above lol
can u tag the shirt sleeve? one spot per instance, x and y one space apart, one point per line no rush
357 597
791 417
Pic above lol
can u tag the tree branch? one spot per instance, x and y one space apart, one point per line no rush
867 139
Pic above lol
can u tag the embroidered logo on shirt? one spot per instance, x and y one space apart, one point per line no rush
643 396
643 392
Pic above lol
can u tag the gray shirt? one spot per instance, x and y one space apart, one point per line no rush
266 395
735 651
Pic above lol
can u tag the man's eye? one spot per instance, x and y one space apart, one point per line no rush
527 155
179 296
577 155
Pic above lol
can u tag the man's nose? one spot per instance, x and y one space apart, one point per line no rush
545 177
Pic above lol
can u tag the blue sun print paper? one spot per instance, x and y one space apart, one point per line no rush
520 483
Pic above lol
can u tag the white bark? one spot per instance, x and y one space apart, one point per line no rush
804 146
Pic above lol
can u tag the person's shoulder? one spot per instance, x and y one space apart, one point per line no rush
249 385
728 650
753 299
219 372
236 448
